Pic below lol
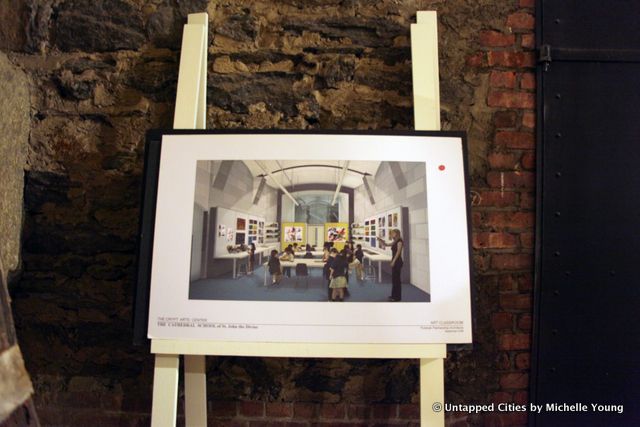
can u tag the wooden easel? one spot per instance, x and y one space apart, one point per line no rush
191 114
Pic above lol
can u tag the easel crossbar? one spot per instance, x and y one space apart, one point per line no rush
320 350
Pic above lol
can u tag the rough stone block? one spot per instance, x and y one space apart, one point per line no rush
14 136
13 16
105 25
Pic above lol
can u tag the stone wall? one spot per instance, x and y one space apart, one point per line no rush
103 72
15 385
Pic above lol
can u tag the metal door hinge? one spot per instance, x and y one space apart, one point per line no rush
544 56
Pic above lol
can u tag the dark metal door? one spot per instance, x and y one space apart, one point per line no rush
587 303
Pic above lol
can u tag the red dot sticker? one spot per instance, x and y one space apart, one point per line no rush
441 167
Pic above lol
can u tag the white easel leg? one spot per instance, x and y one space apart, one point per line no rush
424 64
195 391
165 390
432 392
190 113
426 107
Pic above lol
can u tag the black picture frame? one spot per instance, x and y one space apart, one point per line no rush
151 170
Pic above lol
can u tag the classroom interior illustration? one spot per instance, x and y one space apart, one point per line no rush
316 231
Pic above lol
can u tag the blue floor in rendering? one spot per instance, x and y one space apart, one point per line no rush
251 288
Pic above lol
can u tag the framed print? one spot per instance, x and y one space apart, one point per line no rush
209 268
337 234
292 234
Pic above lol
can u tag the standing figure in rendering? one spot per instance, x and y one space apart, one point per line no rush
252 258
337 274
358 262
274 268
327 259
289 257
396 263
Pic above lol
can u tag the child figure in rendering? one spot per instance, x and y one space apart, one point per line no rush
338 275
274 268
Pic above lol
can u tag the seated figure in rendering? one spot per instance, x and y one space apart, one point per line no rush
308 253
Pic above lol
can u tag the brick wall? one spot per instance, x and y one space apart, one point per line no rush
504 205
285 64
